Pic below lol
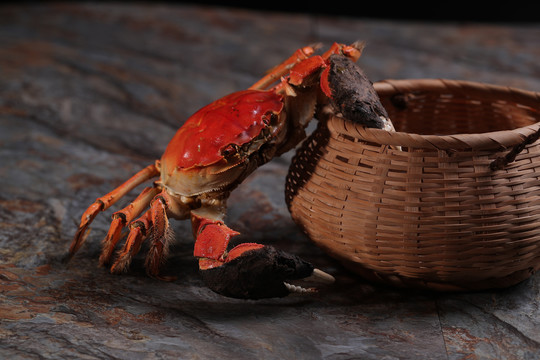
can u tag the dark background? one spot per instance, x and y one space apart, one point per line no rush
447 11
501 11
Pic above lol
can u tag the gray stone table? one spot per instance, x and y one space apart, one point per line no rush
90 93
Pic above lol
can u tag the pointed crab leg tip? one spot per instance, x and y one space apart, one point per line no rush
78 241
359 44
316 46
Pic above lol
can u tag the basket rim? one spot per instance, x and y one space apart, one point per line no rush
501 139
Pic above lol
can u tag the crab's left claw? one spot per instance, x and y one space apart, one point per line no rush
352 93
263 273
250 270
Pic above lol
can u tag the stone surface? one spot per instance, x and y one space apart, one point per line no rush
90 93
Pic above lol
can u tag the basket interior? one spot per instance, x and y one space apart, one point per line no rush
448 110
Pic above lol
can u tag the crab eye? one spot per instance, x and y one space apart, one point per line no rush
229 150
270 118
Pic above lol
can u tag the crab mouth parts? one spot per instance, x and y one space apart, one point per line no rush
310 284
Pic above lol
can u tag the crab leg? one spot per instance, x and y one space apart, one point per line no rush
278 71
136 236
353 51
162 236
104 202
122 218
153 223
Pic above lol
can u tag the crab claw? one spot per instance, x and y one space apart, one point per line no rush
263 273
352 93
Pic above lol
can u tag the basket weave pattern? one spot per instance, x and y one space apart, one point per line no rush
431 213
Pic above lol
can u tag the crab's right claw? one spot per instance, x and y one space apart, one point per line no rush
264 272
249 270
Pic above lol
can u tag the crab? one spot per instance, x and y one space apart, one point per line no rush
212 153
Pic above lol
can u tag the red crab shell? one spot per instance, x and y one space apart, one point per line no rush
236 119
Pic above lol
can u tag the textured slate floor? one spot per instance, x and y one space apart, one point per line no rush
89 94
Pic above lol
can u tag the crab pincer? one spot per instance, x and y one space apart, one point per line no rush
264 273
250 270
213 152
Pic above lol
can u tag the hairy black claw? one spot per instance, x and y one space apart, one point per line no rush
353 94
258 274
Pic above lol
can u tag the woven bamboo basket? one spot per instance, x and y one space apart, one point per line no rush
456 208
